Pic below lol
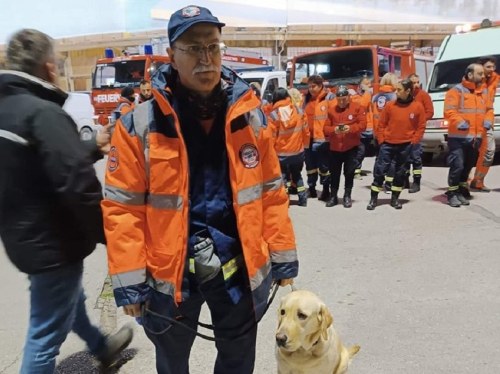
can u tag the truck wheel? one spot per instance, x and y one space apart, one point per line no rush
427 158
86 133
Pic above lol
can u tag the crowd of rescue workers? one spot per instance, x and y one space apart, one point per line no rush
331 130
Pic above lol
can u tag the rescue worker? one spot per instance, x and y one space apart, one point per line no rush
401 126
145 91
291 135
50 216
347 120
195 210
316 111
386 94
487 150
125 103
364 98
415 159
297 100
466 108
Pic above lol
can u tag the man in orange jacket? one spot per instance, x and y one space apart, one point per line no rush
291 136
195 210
467 112
487 150
347 122
316 111
415 159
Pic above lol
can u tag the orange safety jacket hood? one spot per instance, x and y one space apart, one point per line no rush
146 205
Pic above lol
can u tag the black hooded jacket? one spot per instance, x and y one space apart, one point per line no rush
50 197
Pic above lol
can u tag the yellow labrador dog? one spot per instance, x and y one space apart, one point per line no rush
306 341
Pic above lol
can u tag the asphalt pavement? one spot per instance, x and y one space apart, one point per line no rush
417 289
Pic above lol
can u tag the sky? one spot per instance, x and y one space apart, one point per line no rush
67 18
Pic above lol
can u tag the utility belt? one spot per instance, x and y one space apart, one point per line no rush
205 264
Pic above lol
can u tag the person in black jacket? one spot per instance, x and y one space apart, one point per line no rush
50 216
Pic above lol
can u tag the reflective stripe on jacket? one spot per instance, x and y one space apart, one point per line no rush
465 109
146 198
316 111
289 130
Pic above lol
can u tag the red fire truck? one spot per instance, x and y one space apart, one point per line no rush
346 65
114 73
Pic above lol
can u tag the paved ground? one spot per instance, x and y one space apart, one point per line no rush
417 288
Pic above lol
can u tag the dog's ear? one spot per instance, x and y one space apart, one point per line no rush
326 319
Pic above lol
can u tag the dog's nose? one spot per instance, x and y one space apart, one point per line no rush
281 340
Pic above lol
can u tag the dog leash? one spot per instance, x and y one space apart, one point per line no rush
177 322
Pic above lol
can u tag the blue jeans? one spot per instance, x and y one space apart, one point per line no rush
235 329
57 307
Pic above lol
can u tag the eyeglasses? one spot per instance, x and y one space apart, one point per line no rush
198 50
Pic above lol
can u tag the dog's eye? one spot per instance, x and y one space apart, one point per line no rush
301 315
282 312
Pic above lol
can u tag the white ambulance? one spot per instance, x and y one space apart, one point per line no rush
457 51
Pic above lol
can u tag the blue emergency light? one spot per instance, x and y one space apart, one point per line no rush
108 53
148 49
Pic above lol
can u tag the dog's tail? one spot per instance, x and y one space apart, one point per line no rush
353 350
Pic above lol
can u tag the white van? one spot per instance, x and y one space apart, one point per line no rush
268 80
79 106
457 51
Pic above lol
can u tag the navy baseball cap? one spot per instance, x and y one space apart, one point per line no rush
188 16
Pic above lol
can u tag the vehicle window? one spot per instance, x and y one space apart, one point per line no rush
383 65
257 80
397 65
119 74
447 74
337 67
272 85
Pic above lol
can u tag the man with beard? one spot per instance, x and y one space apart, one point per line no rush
466 110
145 91
487 150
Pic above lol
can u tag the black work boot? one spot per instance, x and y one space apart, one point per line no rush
302 198
464 191
114 345
463 200
334 200
311 192
373 200
395 200
415 186
347 201
453 200
325 194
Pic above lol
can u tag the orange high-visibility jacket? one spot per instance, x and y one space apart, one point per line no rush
425 99
289 130
353 115
466 109
146 205
401 123
491 84
316 110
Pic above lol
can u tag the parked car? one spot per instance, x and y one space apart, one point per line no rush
79 106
